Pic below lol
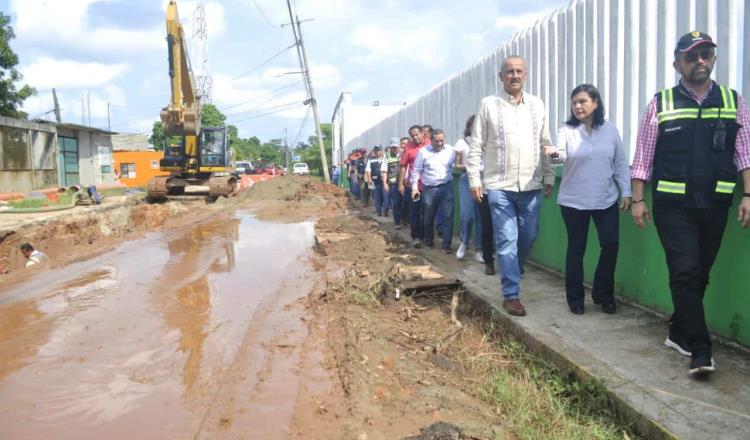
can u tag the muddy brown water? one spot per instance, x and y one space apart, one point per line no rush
192 333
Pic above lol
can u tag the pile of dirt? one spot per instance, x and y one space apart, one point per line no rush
290 199
394 358
82 234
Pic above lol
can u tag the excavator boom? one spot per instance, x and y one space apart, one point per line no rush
183 114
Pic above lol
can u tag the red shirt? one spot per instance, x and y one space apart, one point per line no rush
408 157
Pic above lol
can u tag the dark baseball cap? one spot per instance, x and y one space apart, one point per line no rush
690 41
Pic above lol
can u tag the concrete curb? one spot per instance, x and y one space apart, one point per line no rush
642 424
624 353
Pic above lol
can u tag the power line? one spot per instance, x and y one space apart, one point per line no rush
302 126
277 108
276 55
256 109
263 95
260 10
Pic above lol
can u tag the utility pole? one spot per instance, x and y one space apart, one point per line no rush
83 112
88 100
57 106
308 82
109 121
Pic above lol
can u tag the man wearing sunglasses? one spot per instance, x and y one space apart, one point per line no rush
693 143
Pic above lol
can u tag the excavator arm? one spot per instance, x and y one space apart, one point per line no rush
182 116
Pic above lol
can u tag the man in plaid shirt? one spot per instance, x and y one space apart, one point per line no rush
693 142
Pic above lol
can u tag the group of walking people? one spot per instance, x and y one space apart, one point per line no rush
693 144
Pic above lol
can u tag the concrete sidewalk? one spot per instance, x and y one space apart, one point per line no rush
625 352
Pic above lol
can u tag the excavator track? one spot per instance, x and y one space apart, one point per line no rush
219 186
157 188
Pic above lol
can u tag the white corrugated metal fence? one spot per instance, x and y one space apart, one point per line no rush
624 47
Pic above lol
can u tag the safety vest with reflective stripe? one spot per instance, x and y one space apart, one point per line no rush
694 158
393 165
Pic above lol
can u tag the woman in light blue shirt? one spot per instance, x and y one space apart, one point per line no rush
595 175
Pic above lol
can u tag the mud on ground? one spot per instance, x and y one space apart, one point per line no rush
402 365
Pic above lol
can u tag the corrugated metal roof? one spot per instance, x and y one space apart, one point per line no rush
131 142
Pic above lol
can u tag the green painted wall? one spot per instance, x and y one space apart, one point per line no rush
642 273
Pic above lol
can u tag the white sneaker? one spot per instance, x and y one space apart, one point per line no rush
461 251
478 257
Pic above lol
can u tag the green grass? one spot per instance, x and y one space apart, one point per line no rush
541 401
65 199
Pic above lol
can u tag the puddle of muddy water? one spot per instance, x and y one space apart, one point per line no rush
187 334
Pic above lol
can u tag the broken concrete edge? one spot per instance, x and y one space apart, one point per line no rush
639 422
94 209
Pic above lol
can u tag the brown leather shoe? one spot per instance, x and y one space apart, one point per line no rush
514 307
489 269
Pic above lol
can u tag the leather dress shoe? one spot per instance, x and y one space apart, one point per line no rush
514 307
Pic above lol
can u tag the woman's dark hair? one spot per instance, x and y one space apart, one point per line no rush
595 96
469 126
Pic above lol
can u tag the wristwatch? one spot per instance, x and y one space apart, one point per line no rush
746 195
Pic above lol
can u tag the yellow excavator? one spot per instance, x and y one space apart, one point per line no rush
202 156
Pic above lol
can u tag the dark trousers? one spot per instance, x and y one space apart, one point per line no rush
415 215
406 205
365 189
691 239
607 222
379 197
395 201
438 199
485 217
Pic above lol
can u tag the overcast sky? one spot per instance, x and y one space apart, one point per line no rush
385 50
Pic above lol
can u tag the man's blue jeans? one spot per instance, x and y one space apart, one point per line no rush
469 214
354 186
394 198
381 202
515 219
438 198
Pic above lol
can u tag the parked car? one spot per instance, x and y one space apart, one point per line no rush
268 168
244 167
300 169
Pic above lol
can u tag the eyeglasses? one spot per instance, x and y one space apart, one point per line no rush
705 54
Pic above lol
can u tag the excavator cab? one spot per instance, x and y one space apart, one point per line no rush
214 151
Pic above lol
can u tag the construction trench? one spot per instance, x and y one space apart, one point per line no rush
268 315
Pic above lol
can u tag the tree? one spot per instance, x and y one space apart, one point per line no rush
11 99
157 138
311 156
212 117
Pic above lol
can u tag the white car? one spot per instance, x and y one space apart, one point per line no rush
300 169
243 167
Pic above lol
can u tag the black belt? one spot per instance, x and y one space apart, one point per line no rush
438 186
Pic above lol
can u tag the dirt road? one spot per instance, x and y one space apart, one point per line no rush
267 316
160 336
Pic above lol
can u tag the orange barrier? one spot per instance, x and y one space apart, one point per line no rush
248 180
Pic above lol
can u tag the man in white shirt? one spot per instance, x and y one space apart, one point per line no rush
32 255
433 165
511 132
373 178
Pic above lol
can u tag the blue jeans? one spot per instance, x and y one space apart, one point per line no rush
354 186
470 215
381 202
394 198
438 199
515 219
415 215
